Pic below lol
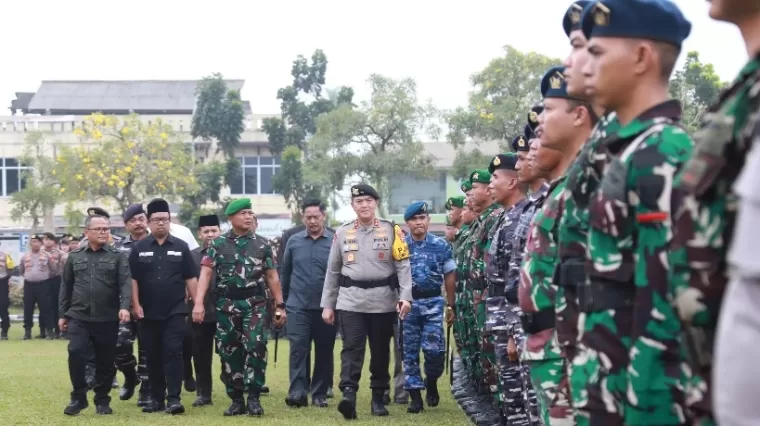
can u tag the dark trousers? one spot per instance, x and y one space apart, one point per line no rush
5 303
36 292
187 353
203 354
102 337
356 328
163 347
306 326
54 287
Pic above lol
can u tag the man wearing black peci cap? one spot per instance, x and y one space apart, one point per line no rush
163 272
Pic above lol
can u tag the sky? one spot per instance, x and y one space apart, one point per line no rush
439 44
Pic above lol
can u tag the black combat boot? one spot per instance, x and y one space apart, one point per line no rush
144 397
431 396
130 382
347 405
264 390
50 335
27 334
254 407
377 405
42 335
416 405
237 407
4 334
75 407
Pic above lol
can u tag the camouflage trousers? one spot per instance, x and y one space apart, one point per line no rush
241 342
423 329
483 354
458 326
550 380
466 326
125 355
698 389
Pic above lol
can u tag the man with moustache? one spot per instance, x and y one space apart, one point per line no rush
163 273
503 313
710 221
135 370
368 279
629 362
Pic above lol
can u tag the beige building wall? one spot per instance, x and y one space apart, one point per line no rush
14 129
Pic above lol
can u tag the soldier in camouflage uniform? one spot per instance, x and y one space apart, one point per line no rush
503 312
629 359
245 268
459 327
703 229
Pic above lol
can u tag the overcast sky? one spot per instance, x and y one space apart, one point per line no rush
439 44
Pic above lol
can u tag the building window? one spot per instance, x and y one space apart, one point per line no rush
406 189
11 176
256 175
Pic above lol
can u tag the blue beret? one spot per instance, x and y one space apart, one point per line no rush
420 207
658 20
503 162
520 143
572 20
132 211
554 85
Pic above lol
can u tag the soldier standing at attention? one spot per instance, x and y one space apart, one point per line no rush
630 359
135 370
723 169
50 245
454 206
35 267
244 266
368 279
7 268
458 325
450 231
203 332
433 266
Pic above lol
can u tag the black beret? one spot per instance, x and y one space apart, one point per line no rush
97 211
361 189
503 162
658 20
36 237
572 20
533 116
520 143
50 236
132 211
554 85
158 205
209 220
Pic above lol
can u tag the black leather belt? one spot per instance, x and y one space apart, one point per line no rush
240 293
535 322
571 273
425 294
601 295
367 284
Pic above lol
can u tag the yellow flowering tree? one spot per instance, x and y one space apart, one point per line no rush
126 160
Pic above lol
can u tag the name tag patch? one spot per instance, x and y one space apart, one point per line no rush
145 253
174 253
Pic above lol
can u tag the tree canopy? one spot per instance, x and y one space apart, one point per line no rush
697 86
40 191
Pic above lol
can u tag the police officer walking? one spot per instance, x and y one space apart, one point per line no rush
368 279
245 268
95 296
433 266
163 273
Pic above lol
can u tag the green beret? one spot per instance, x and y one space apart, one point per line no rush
466 186
480 176
237 205
457 201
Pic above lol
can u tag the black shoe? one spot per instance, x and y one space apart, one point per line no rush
4 335
330 392
347 405
377 405
432 397
237 408
201 401
154 407
50 335
319 401
400 400
297 401
143 397
175 408
103 409
254 407
264 389
190 385
128 390
42 335
27 335
75 407
416 405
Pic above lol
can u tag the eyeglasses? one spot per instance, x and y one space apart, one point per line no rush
99 230
160 220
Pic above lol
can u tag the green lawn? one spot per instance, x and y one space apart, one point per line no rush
35 386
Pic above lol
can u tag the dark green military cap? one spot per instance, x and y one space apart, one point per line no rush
237 205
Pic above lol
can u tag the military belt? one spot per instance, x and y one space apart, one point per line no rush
601 295
571 273
234 293
425 294
368 284
536 322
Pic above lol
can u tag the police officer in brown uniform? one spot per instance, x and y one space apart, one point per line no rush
35 267
368 279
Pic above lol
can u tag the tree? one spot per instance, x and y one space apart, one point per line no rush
697 86
300 104
218 115
502 95
41 191
467 161
126 161
210 178
379 139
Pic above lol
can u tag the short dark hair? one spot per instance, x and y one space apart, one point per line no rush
577 103
313 203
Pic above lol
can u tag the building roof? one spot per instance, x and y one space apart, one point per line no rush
128 95
22 101
445 153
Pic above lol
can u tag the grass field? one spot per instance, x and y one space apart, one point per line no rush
35 386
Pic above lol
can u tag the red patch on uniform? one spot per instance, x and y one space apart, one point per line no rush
651 217
381 255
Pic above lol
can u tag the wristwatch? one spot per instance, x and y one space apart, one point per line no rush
280 306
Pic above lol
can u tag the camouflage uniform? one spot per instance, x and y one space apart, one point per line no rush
459 327
629 356
240 263
703 229
503 315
